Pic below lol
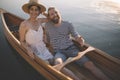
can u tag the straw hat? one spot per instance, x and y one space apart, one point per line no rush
33 2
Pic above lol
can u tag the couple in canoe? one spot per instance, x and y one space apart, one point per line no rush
57 33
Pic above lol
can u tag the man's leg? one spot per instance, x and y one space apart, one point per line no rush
84 61
96 71
70 74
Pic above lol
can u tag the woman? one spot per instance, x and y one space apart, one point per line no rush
31 34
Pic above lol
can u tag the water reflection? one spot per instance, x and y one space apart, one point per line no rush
99 28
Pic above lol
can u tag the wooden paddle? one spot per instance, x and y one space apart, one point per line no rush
71 59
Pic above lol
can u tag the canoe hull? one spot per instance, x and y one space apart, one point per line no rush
108 64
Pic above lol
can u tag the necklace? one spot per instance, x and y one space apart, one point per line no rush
34 24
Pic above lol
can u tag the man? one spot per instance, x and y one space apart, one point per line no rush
58 34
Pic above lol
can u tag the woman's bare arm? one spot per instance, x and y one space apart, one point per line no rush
22 31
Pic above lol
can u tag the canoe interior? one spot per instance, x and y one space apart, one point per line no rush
13 23
108 64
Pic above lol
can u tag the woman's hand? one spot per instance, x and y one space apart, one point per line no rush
30 53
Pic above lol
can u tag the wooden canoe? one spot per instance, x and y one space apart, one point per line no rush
108 64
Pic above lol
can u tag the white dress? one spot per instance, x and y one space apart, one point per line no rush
35 40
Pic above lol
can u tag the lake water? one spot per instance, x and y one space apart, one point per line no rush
98 24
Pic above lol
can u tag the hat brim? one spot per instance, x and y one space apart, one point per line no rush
25 7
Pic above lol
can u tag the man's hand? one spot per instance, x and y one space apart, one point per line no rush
80 40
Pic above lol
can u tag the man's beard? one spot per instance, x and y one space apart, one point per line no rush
55 20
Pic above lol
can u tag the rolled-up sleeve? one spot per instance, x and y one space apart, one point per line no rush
73 33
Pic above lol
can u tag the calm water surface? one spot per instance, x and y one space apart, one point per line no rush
99 28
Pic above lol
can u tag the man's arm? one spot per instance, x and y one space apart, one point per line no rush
80 40
76 35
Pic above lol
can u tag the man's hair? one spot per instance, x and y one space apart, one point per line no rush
50 9
54 9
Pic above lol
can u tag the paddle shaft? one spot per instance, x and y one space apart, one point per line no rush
71 59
